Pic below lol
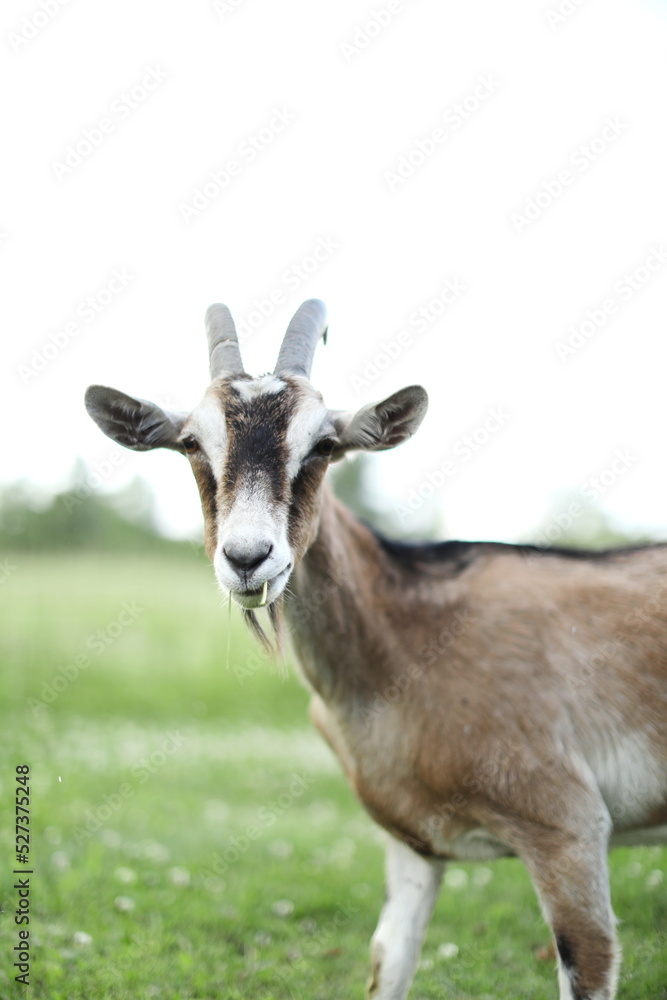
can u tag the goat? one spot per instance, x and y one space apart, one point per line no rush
486 700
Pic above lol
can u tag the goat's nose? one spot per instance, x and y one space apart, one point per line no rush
245 557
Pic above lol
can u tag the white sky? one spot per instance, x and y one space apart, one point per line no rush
347 116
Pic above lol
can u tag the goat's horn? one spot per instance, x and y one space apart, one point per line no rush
307 325
223 345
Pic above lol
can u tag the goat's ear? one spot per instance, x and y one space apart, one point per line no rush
379 426
134 423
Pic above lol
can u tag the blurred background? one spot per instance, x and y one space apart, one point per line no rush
477 192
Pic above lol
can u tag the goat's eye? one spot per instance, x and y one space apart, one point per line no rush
324 448
190 444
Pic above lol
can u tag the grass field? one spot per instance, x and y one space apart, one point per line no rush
193 838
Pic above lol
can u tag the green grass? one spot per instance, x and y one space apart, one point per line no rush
155 761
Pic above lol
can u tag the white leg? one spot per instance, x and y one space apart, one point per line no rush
564 988
412 889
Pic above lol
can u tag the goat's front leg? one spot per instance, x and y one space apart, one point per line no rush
412 889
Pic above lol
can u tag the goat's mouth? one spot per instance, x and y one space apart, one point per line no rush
260 597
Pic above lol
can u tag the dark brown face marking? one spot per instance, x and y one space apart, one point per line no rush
303 504
257 430
208 489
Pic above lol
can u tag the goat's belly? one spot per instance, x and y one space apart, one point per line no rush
473 845
632 781
646 837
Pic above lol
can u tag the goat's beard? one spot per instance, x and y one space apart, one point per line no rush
273 645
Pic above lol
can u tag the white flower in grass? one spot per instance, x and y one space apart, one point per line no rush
654 878
127 876
342 851
216 811
448 950
153 851
456 878
321 812
83 939
482 876
124 904
111 838
281 848
213 884
283 908
179 876
60 859
426 964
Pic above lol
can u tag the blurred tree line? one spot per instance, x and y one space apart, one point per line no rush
83 517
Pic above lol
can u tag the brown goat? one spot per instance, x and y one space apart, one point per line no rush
485 700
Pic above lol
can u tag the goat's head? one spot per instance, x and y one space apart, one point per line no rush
259 449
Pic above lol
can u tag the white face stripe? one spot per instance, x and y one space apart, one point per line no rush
207 424
310 418
207 421
252 515
253 525
249 389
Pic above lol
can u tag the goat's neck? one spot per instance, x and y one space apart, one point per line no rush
337 611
